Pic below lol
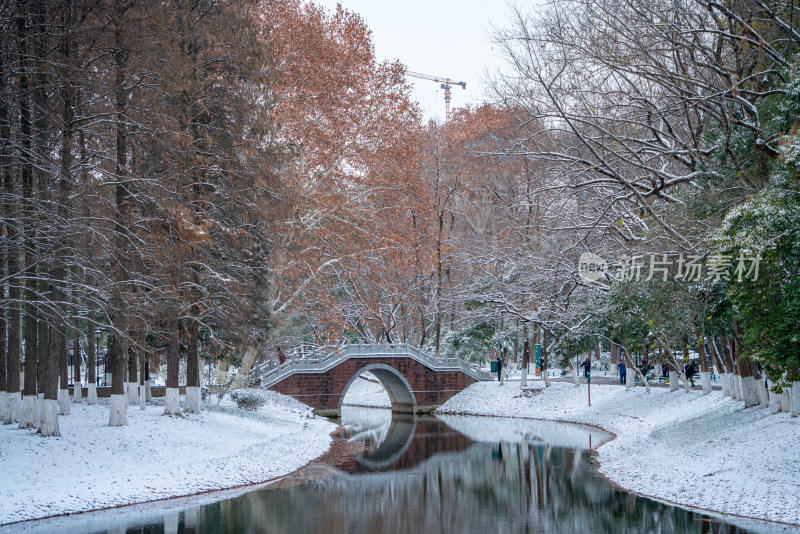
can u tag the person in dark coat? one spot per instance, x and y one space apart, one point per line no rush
587 367
281 356
499 368
623 372
690 372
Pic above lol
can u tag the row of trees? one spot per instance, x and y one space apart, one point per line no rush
662 139
181 176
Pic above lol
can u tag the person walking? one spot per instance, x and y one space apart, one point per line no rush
500 369
690 372
587 367
623 372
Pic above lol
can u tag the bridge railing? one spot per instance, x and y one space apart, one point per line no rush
323 358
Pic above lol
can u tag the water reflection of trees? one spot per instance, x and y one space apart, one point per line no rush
503 487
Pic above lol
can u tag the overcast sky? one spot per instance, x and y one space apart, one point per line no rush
446 38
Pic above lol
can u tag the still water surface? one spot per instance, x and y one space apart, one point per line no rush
428 475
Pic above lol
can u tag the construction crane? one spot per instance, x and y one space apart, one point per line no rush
445 84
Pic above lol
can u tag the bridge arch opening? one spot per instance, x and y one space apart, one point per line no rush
397 387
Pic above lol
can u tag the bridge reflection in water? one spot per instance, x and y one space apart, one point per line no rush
419 474
378 440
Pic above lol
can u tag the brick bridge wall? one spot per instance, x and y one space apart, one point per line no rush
323 391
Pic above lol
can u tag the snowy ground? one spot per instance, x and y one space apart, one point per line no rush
93 466
706 452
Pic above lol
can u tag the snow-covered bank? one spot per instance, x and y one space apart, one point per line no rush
699 451
93 466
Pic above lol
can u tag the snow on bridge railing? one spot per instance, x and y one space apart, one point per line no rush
324 358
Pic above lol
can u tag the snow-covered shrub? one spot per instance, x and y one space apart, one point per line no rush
248 399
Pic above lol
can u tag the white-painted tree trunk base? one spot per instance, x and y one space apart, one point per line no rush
749 391
133 393
77 394
29 412
194 402
546 378
12 409
726 384
48 426
3 405
687 386
774 399
794 399
705 378
118 408
171 522
91 394
148 393
171 403
785 401
673 381
63 402
763 396
142 398
523 377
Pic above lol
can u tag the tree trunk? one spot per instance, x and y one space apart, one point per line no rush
172 404
630 365
247 363
793 391
11 214
774 399
48 425
736 378
133 374
3 375
730 366
7 224
77 394
142 389
681 368
545 359
148 362
194 403
747 371
613 356
723 375
63 366
120 320
705 375
222 371
118 404
91 361
29 409
526 348
761 389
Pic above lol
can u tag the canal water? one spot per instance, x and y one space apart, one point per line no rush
428 475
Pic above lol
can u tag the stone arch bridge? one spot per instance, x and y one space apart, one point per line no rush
415 381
